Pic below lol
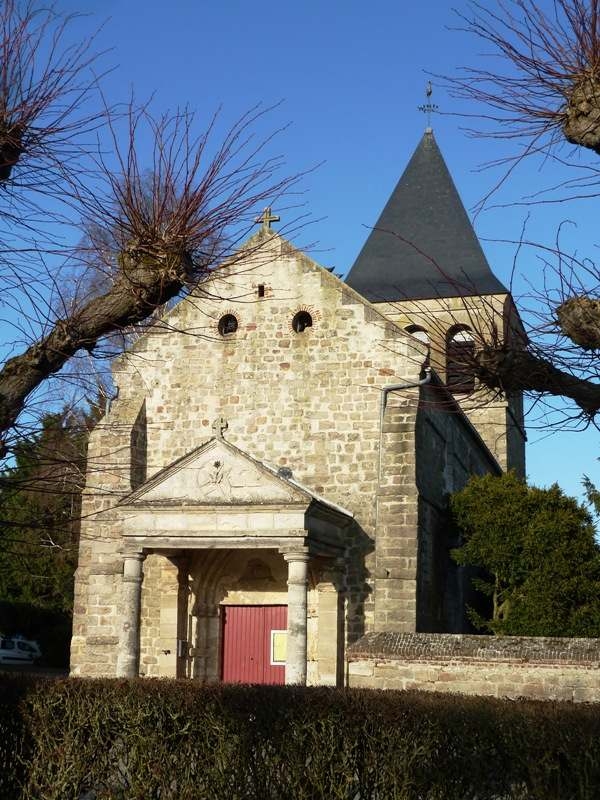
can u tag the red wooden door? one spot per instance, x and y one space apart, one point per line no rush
249 647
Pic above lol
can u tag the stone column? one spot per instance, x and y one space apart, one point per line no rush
128 659
295 667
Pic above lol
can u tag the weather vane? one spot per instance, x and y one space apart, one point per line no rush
429 108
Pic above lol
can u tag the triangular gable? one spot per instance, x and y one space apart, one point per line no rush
275 245
217 473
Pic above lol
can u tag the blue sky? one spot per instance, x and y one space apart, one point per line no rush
350 76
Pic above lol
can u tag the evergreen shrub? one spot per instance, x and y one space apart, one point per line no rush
173 740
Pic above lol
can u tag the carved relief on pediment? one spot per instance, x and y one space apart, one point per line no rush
227 481
218 474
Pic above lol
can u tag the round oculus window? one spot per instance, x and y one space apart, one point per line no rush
227 324
301 321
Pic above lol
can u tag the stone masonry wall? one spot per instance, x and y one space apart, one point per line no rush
513 667
397 506
98 578
449 451
308 401
498 420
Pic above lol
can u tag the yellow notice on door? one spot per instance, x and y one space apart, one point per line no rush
278 647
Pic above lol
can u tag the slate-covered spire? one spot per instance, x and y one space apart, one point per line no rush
423 245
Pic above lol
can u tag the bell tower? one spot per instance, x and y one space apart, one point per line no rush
423 267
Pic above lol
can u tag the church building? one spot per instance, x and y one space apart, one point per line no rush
271 484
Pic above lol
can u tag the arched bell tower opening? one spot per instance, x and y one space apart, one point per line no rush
460 360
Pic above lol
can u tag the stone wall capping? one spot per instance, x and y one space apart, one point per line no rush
458 648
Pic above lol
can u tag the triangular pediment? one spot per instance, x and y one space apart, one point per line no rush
217 473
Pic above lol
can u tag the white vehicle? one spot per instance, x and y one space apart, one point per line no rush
18 650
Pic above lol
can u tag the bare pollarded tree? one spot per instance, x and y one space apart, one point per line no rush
545 84
49 80
538 85
153 226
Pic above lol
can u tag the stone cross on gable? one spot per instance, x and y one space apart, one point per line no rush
219 427
266 218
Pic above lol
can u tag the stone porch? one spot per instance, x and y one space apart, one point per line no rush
192 521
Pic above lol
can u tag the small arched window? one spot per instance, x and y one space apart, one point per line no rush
460 360
228 324
302 320
418 332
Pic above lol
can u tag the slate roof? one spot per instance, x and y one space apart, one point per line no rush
438 254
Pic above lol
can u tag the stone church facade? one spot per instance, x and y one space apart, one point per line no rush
269 489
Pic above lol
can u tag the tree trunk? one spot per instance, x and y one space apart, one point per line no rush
142 285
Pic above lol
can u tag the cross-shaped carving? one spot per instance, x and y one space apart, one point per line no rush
219 426
267 218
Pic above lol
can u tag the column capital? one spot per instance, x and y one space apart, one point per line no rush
135 555
205 610
132 566
295 554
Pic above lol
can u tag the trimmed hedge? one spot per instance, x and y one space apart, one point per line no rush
173 740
